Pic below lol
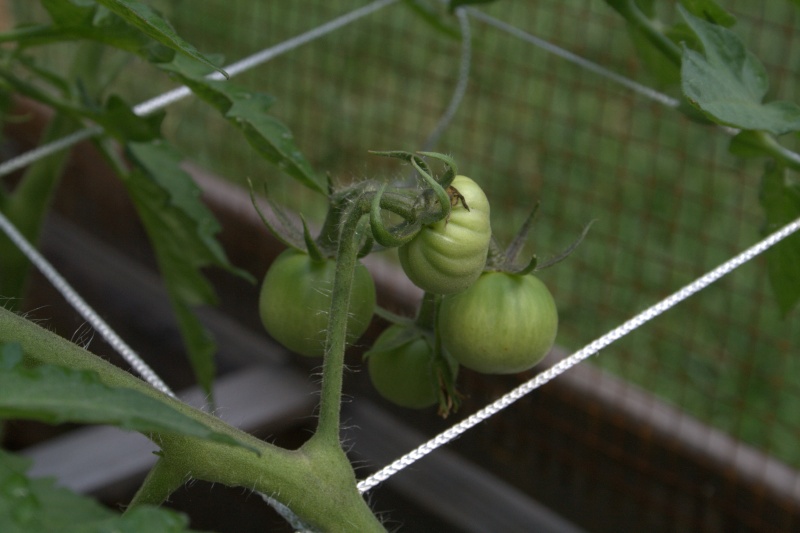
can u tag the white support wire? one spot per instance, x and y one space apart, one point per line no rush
163 100
272 52
83 308
576 59
461 85
582 354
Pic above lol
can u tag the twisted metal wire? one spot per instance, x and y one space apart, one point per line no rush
83 308
582 354
576 59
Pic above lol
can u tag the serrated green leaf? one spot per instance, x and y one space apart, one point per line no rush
76 19
728 83
182 231
38 505
781 202
55 395
156 27
709 10
247 111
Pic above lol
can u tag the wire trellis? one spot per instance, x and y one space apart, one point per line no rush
464 68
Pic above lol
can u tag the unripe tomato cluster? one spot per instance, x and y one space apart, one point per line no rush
491 322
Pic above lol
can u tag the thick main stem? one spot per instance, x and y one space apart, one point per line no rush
318 486
333 365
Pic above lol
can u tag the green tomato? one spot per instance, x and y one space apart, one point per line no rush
295 301
448 256
402 368
503 324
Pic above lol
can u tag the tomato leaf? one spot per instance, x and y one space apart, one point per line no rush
119 121
710 11
55 395
39 505
247 111
157 28
727 82
781 201
182 231
74 19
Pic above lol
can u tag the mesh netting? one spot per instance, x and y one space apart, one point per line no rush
670 201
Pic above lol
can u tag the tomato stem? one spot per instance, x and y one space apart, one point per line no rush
333 363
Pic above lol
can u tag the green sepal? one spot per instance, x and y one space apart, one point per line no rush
452 168
311 245
530 267
514 249
287 233
441 194
568 250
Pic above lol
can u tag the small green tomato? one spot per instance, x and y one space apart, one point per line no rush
295 300
402 368
503 324
448 256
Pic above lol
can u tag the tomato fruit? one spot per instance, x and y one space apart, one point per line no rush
295 300
503 324
448 256
402 367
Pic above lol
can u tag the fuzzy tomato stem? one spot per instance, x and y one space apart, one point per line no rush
333 363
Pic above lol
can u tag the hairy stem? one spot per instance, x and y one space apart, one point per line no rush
333 364
316 484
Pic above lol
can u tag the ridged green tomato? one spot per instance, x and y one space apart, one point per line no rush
503 324
402 368
448 256
295 300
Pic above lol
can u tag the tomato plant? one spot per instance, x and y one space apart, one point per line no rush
503 324
449 255
402 367
296 296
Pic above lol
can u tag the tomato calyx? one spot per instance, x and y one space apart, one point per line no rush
508 260
433 204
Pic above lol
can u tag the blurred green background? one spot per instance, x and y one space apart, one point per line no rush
670 201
